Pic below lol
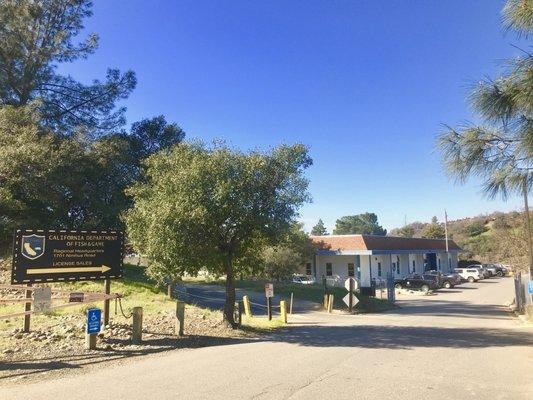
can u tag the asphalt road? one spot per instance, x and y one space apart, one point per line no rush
459 344
213 296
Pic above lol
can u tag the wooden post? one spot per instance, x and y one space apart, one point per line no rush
90 341
247 308
137 332
107 290
290 306
27 307
269 308
180 318
283 311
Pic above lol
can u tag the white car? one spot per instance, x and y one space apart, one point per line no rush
469 274
303 279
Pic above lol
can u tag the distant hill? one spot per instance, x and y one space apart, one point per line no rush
496 237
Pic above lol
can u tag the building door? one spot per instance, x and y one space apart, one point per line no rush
431 262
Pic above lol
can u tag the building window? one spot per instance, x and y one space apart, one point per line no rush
308 269
414 266
398 265
439 264
379 269
351 269
329 269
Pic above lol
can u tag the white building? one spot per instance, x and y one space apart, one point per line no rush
370 257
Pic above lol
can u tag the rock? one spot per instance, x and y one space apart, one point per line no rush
19 336
8 351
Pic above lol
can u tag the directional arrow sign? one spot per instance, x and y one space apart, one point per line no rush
346 299
62 270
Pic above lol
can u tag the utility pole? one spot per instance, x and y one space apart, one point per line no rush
528 227
446 230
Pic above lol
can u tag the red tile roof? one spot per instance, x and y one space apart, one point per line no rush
371 242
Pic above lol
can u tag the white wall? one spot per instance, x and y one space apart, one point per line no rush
384 260
365 271
339 265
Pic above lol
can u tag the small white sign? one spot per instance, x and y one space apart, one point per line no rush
347 284
269 289
42 298
346 299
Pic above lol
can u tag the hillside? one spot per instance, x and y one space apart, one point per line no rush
495 237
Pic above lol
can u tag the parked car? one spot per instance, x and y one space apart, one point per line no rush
417 281
303 279
484 271
496 269
445 280
469 274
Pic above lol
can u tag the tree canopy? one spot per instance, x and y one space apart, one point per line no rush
319 229
434 230
366 223
36 36
209 207
48 180
499 149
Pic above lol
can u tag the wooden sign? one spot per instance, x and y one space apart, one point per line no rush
46 255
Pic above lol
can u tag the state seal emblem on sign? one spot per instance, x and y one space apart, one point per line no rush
32 246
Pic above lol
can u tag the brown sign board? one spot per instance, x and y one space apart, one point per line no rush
76 297
48 255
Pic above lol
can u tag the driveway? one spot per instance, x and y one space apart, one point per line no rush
460 344
213 296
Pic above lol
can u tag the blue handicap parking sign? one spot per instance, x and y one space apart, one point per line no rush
94 316
530 287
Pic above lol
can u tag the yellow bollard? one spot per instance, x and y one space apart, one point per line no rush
326 301
330 305
283 311
247 308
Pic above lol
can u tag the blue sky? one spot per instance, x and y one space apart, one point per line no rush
366 84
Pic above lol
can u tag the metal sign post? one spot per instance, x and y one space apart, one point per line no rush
269 293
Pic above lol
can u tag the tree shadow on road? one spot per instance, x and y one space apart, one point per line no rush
403 337
455 309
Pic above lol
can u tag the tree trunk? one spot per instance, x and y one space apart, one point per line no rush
528 228
229 306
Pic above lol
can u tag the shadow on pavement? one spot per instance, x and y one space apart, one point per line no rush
401 337
460 309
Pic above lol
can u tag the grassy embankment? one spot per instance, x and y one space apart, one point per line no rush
137 290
